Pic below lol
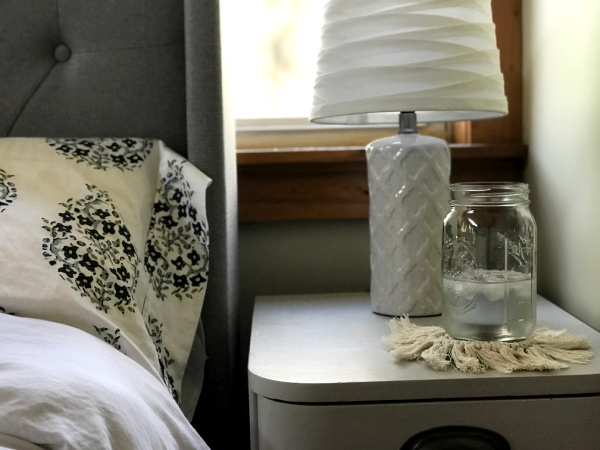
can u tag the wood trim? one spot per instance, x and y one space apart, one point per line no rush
301 155
316 184
283 135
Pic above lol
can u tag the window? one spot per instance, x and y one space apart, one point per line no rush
273 46
290 169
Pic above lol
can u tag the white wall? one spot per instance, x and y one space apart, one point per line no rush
562 127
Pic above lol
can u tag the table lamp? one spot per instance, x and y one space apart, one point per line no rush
403 61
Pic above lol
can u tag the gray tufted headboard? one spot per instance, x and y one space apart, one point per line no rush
141 68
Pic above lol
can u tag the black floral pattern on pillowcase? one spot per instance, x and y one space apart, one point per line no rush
177 247
108 337
90 246
8 190
154 328
3 311
102 153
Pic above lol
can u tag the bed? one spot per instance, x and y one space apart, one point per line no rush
111 118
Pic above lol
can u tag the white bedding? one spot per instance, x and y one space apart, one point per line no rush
62 388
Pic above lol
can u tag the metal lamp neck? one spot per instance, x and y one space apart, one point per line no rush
408 123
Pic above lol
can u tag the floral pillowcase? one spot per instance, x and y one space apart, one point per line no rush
109 236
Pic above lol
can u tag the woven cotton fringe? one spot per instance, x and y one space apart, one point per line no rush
545 350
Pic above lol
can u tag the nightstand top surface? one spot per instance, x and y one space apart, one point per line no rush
328 348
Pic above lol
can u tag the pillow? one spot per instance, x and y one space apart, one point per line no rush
109 236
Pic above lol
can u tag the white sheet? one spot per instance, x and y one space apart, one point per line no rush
62 388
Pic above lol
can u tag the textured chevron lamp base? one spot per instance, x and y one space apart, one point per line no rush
409 192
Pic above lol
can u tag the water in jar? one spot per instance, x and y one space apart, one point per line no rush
496 306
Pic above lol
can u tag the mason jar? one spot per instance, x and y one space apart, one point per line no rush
489 263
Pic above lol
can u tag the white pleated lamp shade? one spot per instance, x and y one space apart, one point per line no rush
437 58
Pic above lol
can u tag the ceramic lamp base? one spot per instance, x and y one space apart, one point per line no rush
409 193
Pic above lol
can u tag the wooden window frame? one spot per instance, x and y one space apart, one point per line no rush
315 172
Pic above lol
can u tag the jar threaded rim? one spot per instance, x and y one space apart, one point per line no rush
492 193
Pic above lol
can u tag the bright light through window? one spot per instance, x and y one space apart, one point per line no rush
271 51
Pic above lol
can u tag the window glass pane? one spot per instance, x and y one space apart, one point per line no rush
271 51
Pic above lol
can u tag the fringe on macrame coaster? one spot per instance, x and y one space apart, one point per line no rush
545 350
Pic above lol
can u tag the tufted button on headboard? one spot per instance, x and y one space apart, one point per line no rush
92 67
62 53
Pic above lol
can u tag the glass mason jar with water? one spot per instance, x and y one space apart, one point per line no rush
489 263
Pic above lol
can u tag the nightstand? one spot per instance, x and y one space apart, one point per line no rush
320 378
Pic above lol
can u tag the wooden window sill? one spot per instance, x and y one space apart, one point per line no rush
331 182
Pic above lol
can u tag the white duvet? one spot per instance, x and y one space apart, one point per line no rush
62 388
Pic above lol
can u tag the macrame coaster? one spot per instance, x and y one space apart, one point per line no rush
545 350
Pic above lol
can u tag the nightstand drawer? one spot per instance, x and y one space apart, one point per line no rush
551 423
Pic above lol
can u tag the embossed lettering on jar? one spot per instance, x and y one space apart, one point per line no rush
489 263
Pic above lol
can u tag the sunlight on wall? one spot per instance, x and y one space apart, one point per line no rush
562 123
273 46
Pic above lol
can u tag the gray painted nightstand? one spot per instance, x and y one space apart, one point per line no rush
320 378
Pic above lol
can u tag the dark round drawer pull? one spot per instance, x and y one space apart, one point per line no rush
456 438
